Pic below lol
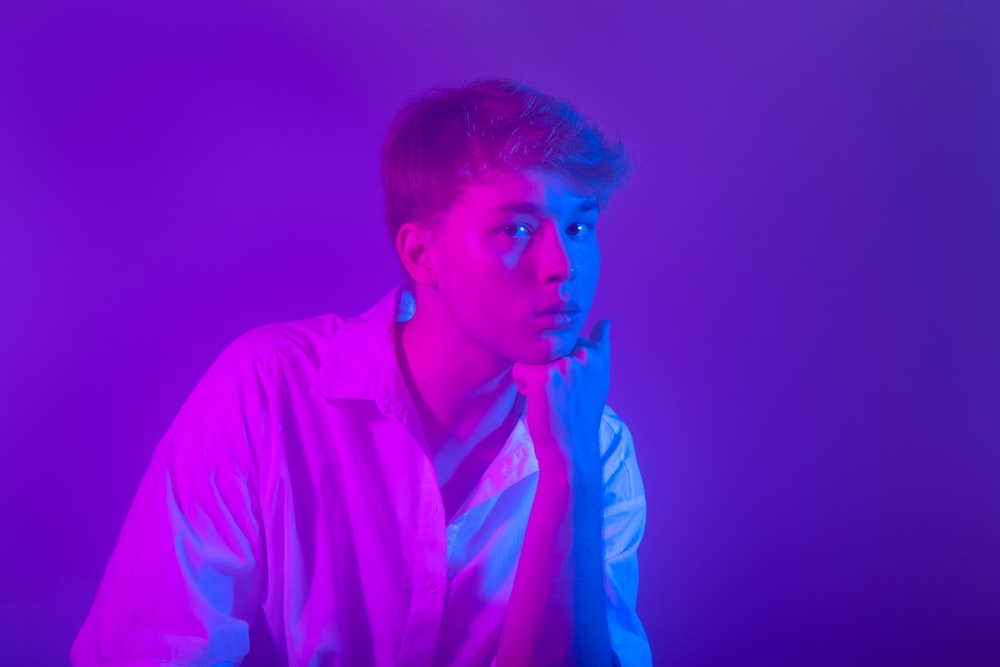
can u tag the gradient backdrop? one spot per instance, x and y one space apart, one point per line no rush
802 278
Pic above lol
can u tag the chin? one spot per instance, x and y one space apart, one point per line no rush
546 350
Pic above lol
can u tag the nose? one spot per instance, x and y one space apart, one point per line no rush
556 262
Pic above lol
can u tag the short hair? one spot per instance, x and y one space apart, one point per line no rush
453 137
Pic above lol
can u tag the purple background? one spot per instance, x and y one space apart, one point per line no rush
802 279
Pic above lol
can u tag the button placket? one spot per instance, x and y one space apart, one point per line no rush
429 571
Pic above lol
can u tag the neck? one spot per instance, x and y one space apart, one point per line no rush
461 390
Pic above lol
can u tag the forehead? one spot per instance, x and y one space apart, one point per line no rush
524 191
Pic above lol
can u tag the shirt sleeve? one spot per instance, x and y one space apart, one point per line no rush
624 524
182 584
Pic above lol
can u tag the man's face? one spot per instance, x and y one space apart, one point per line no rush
510 249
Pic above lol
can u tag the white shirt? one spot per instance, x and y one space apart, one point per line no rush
290 516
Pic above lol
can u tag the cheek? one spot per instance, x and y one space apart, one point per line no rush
510 259
472 257
588 266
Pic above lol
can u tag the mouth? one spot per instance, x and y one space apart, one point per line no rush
559 315
559 319
561 308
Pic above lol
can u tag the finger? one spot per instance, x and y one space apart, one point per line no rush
517 374
528 378
601 334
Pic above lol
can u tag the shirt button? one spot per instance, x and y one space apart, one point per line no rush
432 586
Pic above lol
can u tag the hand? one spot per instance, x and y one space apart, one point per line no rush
566 399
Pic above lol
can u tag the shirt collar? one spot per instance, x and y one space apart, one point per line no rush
360 360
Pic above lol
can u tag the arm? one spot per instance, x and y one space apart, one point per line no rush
624 526
557 614
574 594
610 588
182 584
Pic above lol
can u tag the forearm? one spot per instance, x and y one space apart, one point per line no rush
556 614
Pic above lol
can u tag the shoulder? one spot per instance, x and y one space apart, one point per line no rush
295 341
267 363
266 360
618 460
615 437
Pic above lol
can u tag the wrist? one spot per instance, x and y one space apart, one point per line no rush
573 465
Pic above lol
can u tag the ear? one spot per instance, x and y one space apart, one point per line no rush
415 247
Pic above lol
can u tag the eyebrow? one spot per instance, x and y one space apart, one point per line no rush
587 205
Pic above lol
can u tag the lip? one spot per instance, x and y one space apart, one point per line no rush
559 320
561 308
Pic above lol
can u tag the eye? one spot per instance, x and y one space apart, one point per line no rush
516 229
580 230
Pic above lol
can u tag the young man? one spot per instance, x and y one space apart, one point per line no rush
435 482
